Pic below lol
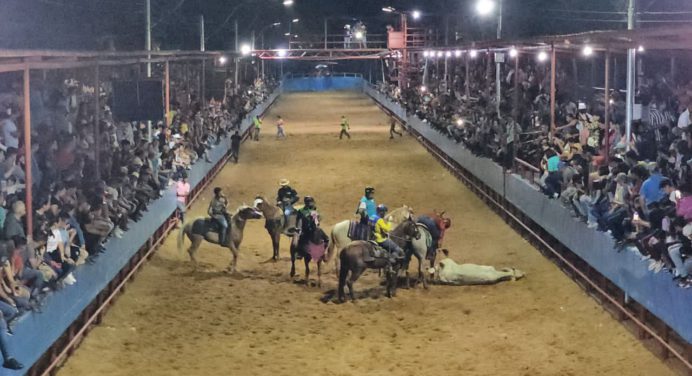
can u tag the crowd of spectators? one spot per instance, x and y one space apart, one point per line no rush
87 188
636 188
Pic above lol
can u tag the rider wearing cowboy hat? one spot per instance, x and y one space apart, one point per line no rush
286 197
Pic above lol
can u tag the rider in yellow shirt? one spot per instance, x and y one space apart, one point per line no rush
382 230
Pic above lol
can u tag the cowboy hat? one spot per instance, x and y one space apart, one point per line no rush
284 182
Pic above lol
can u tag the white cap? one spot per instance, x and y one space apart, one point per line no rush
687 230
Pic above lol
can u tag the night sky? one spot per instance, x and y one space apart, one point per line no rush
91 24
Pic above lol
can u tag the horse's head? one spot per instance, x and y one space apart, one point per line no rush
411 229
259 202
248 212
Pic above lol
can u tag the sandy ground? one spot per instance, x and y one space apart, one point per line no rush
172 321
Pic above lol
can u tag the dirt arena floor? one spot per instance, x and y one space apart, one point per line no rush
172 321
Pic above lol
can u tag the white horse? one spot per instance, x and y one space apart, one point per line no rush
448 272
339 235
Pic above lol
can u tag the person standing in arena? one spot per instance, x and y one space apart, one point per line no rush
182 191
235 145
345 127
257 127
392 129
280 128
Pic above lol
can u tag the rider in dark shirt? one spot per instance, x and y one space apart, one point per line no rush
286 197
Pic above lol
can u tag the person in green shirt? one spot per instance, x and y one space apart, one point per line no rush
345 127
257 122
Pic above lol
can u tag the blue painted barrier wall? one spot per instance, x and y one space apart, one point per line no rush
34 333
656 292
328 83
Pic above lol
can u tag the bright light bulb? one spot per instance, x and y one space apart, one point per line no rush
460 122
587 51
282 53
513 52
473 54
640 49
440 53
288 3
485 7
415 14
457 53
426 53
359 35
245 49
448 54
542 56
423 89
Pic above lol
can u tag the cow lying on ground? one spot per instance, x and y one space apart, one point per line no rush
448 272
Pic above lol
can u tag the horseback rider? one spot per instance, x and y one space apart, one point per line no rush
217 210
436 225
286 197
307 222
382 230
367 208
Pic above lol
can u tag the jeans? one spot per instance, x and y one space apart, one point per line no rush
223 222
393 249
7 312
584 206
682 267
32 278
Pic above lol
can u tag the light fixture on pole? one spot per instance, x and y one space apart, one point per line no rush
288 3
485 7
587 51
513 52
223 60
388 9
457 53
245 49
542 56
282 53
640 48
473 54
415 14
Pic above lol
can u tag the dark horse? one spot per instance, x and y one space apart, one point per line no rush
276 223
312 247
352 259
206 229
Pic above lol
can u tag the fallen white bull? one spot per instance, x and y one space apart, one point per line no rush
450 273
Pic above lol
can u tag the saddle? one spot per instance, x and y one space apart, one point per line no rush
376 252
208 225
359 231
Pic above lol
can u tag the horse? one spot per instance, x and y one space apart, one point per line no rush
203 229
419 248
352 259
311 249
275 223
339 235
448 272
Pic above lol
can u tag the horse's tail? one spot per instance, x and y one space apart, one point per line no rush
181 235
331 247
343 274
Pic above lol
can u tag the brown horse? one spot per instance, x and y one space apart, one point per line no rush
313 248
352 259
204 229
275 223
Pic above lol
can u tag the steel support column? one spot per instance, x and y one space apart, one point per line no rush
27 155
